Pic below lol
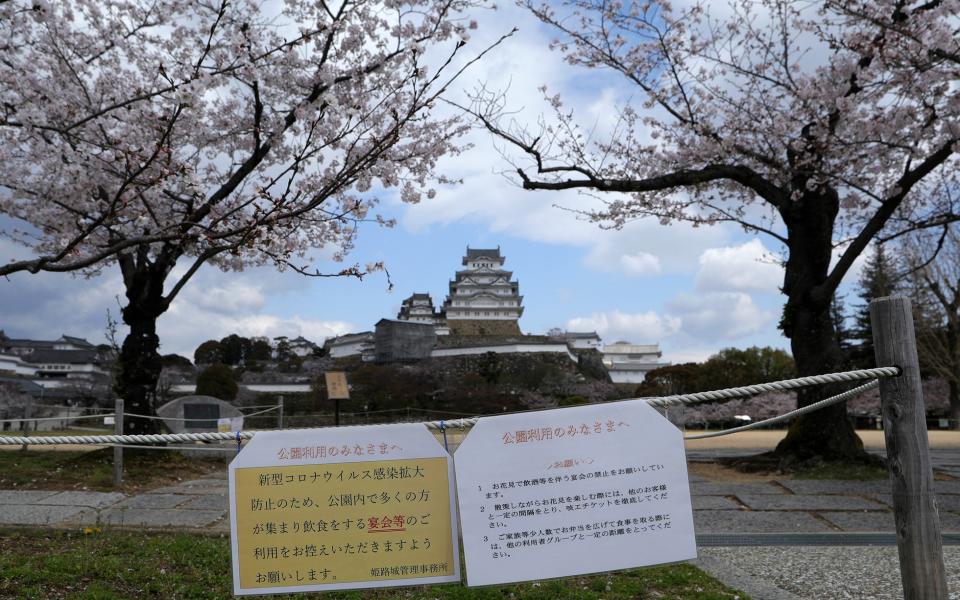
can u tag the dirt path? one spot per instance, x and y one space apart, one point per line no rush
768 439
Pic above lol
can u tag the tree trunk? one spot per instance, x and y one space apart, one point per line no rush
954 404
139 363
953 349
825 434
828 433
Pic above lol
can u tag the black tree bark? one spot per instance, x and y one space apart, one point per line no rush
953 350
828 433
139 362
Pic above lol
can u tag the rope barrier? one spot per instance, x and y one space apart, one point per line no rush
793 413
659 402
155 438
773 386
156 418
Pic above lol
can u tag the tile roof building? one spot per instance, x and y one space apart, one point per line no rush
419 309
483 300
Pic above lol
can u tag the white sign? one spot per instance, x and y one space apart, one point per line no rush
231 424
342 508
573 491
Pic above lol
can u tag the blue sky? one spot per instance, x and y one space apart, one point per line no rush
694 291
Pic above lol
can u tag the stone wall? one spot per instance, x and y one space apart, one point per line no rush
480 327
403 340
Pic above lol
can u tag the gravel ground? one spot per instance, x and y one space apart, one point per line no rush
826 572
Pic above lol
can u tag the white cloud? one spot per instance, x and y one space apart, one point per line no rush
645 327
719 316
232 297
490 194
179 333
743 268
212 305
218 304
677 356
640 264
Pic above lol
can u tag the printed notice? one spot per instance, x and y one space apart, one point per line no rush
350 507
337 388
573 491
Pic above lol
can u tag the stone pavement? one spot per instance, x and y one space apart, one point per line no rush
198 504
781 506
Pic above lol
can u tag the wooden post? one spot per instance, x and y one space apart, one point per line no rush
25 424
908 457
118 448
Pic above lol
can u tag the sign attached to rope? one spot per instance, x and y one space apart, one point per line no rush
573 491
231 424
342 508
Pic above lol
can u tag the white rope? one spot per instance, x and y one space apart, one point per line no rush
773 386
157 418
793 413
695 398
156 438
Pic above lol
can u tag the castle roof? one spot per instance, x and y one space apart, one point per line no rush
475 253
580 335
418 296
75 357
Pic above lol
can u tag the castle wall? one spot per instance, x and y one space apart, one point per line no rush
483 327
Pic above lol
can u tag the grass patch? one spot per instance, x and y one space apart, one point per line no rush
119 565
46 469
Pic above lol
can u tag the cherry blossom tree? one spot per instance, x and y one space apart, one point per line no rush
162 135
824 127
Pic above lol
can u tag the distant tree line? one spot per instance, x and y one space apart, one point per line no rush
731 367
926 268
237 350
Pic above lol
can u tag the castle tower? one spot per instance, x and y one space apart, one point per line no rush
482 299
419 309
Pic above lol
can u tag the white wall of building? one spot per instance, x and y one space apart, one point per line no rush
631 376
351 348
13 364
280 388
504 349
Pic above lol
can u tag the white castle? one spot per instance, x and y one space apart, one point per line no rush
482 299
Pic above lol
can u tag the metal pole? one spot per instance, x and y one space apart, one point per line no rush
908 452
118 449
280 413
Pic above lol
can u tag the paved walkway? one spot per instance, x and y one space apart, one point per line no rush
785 539
787 506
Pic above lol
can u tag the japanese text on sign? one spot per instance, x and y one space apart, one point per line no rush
336 525
582 490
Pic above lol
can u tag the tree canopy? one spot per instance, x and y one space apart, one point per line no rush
161 135
208 353
823 127
730 367
218 381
